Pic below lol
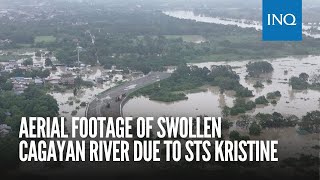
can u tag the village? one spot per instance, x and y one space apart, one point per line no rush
72 87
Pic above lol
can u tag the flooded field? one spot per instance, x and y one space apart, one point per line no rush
84 94
211 101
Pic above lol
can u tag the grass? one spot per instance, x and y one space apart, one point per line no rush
25 45
45 39
6 58
187 38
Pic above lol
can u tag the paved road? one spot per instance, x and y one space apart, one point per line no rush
98 107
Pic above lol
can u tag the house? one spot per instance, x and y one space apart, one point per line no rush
21 80
67 80
53 80
99 80
37 65
38 81
4 130
8 68
19 88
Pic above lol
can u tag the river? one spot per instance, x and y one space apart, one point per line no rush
242 23
211 101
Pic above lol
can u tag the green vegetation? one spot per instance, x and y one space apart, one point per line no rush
44 39
254 129
269 81
30 73
79 82
311 122
73 113
258 84
83 104
144 40
274 95
5 83
262 100
189 78
187 38
10 56
235 136
299 84
302 82
276 120
33 102
255 69
28 62
240 107
48 62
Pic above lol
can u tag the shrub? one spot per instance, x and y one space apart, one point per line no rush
254 129
258 84
257 68
262 100
274 95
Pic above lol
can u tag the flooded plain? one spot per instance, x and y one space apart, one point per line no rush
68 102
310 29
211 101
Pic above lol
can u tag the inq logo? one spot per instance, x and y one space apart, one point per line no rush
273 18
282 20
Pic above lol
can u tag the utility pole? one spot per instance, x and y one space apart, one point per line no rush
79 48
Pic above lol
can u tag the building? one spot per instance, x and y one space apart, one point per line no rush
19 88
38 81
4 130
53 80
67 80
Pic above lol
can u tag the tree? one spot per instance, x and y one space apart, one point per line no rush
304 76
234 136
28 62
75 91
7 86
44 74
257 68
226 111
311 122
276 120
298 83
274 95
315 80
258 84
38 54
254 129
262 100
48 62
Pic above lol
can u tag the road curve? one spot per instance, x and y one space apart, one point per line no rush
98 107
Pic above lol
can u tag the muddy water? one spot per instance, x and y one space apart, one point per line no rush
84 94
210 102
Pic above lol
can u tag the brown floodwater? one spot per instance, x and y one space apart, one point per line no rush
211 102
84 94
